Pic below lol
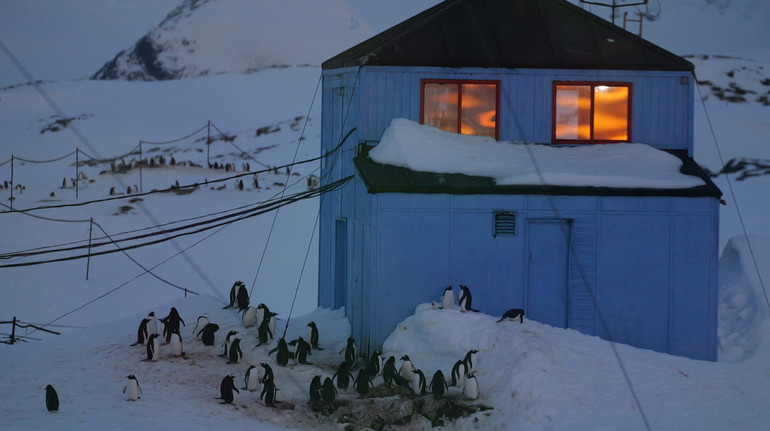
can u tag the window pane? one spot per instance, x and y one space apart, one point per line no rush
610 113
573 112
479 109
440 106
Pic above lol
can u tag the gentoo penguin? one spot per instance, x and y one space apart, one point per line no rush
200 324
315 388
263 333
471 387
343 376
226 389
207 334
268 393
437 385
132 388
312 335
228 339
243 297
176 344
171 324
458 374
249 317
470 360
374 367
418 382
141 334
282 357
262 312
448 298
235 354
233 295
251 380
466 299
406 368
328 391
267 376
270 316
51 399
351 354
513 314
389 370
362 382
153 348
302 352
152 324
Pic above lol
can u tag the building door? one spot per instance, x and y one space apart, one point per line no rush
548 271
340 261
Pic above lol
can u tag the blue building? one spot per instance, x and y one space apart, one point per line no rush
634 265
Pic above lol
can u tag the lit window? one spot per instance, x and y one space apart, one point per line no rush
588 112
467 107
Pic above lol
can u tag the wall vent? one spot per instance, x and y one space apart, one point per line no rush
505 223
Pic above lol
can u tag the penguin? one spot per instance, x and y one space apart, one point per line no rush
226 389
343 376
303 350
263 333
362 382
402 382
312 335
233 295
268 393
207 334
242 297
176 344
448 298
152 324
132 388
466 299
351 354
270 316
235 354
171 324
438 385
328 391
262 311
374 367
282 357
512 314
315 388
470 360
249 317
228 339
141 334
418 382
251 379
406 368
200 324
458 374
471 387
267 376
51 399
153 348
389 370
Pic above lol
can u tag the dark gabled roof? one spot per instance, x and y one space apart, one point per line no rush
380 178
544 34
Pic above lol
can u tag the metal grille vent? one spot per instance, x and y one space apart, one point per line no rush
505 223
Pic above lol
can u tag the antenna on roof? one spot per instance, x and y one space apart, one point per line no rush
615 4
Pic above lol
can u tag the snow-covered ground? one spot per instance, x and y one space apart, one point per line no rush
531 375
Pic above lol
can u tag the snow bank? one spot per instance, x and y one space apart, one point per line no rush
424 148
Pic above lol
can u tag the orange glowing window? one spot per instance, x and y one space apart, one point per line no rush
592 112
467 107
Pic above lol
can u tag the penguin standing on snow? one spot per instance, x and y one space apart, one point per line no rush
267 376
235 354
470 360
249 317
177 348
406 368
132 388
389 370
141 334
233 295
448 298
228 339
242 297
51 399
459 371
153 348
282 357
315 388
263 333
226 389
152 324
513 314
303 350
268 393
200 324
262 311
418 382
466 299
171 324
437 385
471 387
343 376
312 335
351 353
207 334
374 367
270 317
362 382
328 391
251 380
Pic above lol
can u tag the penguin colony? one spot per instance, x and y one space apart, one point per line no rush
460 379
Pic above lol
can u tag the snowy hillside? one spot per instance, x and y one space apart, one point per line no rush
530 376
206 37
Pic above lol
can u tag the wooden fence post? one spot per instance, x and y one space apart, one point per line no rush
13 330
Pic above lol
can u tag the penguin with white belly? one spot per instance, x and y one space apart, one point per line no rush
132 388
153 348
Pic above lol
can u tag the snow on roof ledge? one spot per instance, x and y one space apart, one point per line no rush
418 147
